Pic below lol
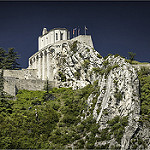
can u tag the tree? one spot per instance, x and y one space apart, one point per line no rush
2 58
11 60
131 56
1 83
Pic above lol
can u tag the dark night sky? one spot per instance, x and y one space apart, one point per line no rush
115 27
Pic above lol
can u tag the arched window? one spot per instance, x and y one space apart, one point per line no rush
56 36
61 36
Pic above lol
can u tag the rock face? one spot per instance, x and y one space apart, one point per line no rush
119 96
73 67
79 65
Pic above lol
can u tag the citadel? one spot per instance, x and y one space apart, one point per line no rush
42 64
65 62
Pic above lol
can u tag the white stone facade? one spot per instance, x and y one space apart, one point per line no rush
49 46
53 36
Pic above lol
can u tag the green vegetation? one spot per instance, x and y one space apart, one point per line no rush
99 56
105 63
131 56
34 121
106 70
134 62
97 70
1 82
117 126
62 76
9 60
77 74
115 129
107 56
87 49
118 96
136 141
116 55
144 77
73 47
85 63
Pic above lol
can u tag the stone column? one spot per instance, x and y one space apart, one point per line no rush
35 62
29 63
48 66
43 66
39 66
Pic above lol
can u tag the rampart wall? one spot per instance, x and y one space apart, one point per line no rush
85 39
21 74
23 79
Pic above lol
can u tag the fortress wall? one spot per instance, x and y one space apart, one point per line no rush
21 74
84 38
9 86
32 84
12 85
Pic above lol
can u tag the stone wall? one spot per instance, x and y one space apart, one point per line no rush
43 66
12 85
84 39
21 74
23 79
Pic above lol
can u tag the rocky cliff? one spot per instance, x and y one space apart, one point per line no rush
98 103
116 104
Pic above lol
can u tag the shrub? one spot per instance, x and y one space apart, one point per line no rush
69 119
99 56
85 63
80 144
77 74
96 70
88 50
62 76
116 55
106 146
73 47
118 96
117 126
105 112
107 56
144 71
114 120
105 63
104 134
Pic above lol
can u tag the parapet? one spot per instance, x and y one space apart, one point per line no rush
85 39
